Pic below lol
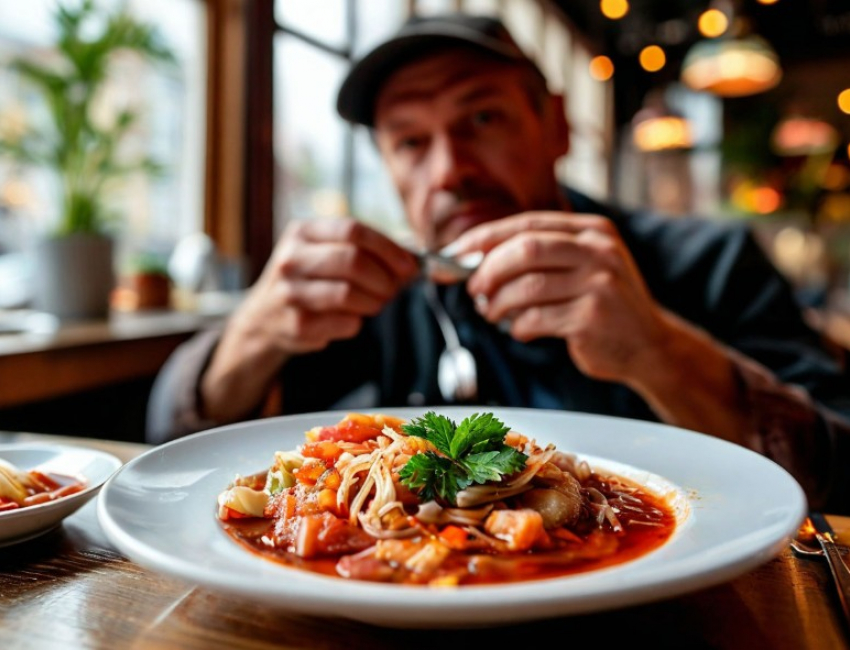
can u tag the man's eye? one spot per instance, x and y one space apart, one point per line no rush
480 118
407 143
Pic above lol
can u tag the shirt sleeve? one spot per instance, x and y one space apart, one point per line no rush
796 432
174 405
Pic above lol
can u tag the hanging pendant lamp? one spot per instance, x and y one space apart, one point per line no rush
735 64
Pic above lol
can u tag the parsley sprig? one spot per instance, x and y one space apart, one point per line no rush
472 452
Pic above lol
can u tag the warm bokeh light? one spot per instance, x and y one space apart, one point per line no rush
713 23
601 68
767 2
803 136
732 68
797 253
757 198
652 58
664 133
844 100
836 207
766 200
836 178
614 9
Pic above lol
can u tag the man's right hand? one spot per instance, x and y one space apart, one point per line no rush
322 279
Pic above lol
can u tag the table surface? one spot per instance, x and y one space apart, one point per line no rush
73 357
72 589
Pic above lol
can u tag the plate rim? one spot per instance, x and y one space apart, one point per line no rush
68 504
533 594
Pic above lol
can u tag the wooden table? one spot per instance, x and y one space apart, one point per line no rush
85 355
71 589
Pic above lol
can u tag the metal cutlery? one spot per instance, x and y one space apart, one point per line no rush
817 527
447 269
457 375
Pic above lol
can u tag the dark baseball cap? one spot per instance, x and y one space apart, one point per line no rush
418 36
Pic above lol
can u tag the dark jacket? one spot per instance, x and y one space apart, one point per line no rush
711 273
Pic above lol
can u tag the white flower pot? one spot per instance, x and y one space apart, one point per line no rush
73 276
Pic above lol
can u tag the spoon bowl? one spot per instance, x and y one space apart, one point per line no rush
457 375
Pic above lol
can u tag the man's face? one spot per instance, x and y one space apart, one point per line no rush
464 143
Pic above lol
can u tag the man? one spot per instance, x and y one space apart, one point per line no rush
575 305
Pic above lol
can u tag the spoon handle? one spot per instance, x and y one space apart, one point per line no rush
444 321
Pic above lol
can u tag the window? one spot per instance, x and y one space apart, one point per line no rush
155 211
324 168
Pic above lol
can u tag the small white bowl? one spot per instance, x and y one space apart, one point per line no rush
83 463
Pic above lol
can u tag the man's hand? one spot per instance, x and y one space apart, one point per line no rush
554 274
322 279
571 276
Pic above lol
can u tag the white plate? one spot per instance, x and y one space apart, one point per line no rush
83 463
735 510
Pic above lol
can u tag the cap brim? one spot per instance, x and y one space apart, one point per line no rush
358 92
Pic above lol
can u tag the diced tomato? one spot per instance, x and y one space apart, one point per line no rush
310 471
349 431
331 479
326 535
325 450
356 427
229 513
326 500
453 537
282 506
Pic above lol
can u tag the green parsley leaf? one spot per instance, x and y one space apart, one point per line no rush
472 452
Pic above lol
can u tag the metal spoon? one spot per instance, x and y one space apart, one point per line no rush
457 375
445 269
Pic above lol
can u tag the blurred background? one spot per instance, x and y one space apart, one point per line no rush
204 126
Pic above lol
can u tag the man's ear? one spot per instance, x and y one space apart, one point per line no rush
559 126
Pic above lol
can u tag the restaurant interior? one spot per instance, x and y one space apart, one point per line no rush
214 127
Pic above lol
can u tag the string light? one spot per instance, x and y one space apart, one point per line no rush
652 58
601 68
844 100
614 9
712 23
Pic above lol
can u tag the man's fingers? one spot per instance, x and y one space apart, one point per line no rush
339 261
329 296
398 260
302 331
487 236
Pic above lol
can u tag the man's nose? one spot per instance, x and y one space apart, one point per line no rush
451 162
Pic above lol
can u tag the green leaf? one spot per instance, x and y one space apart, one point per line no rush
493 465
426 473
472 452
478 433
436 429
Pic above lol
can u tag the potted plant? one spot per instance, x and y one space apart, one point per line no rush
145 284
73 265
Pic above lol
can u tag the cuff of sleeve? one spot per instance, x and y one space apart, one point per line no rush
175 408
786 427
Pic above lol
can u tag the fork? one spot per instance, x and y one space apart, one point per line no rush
829 550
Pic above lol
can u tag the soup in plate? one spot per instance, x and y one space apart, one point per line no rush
430 501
